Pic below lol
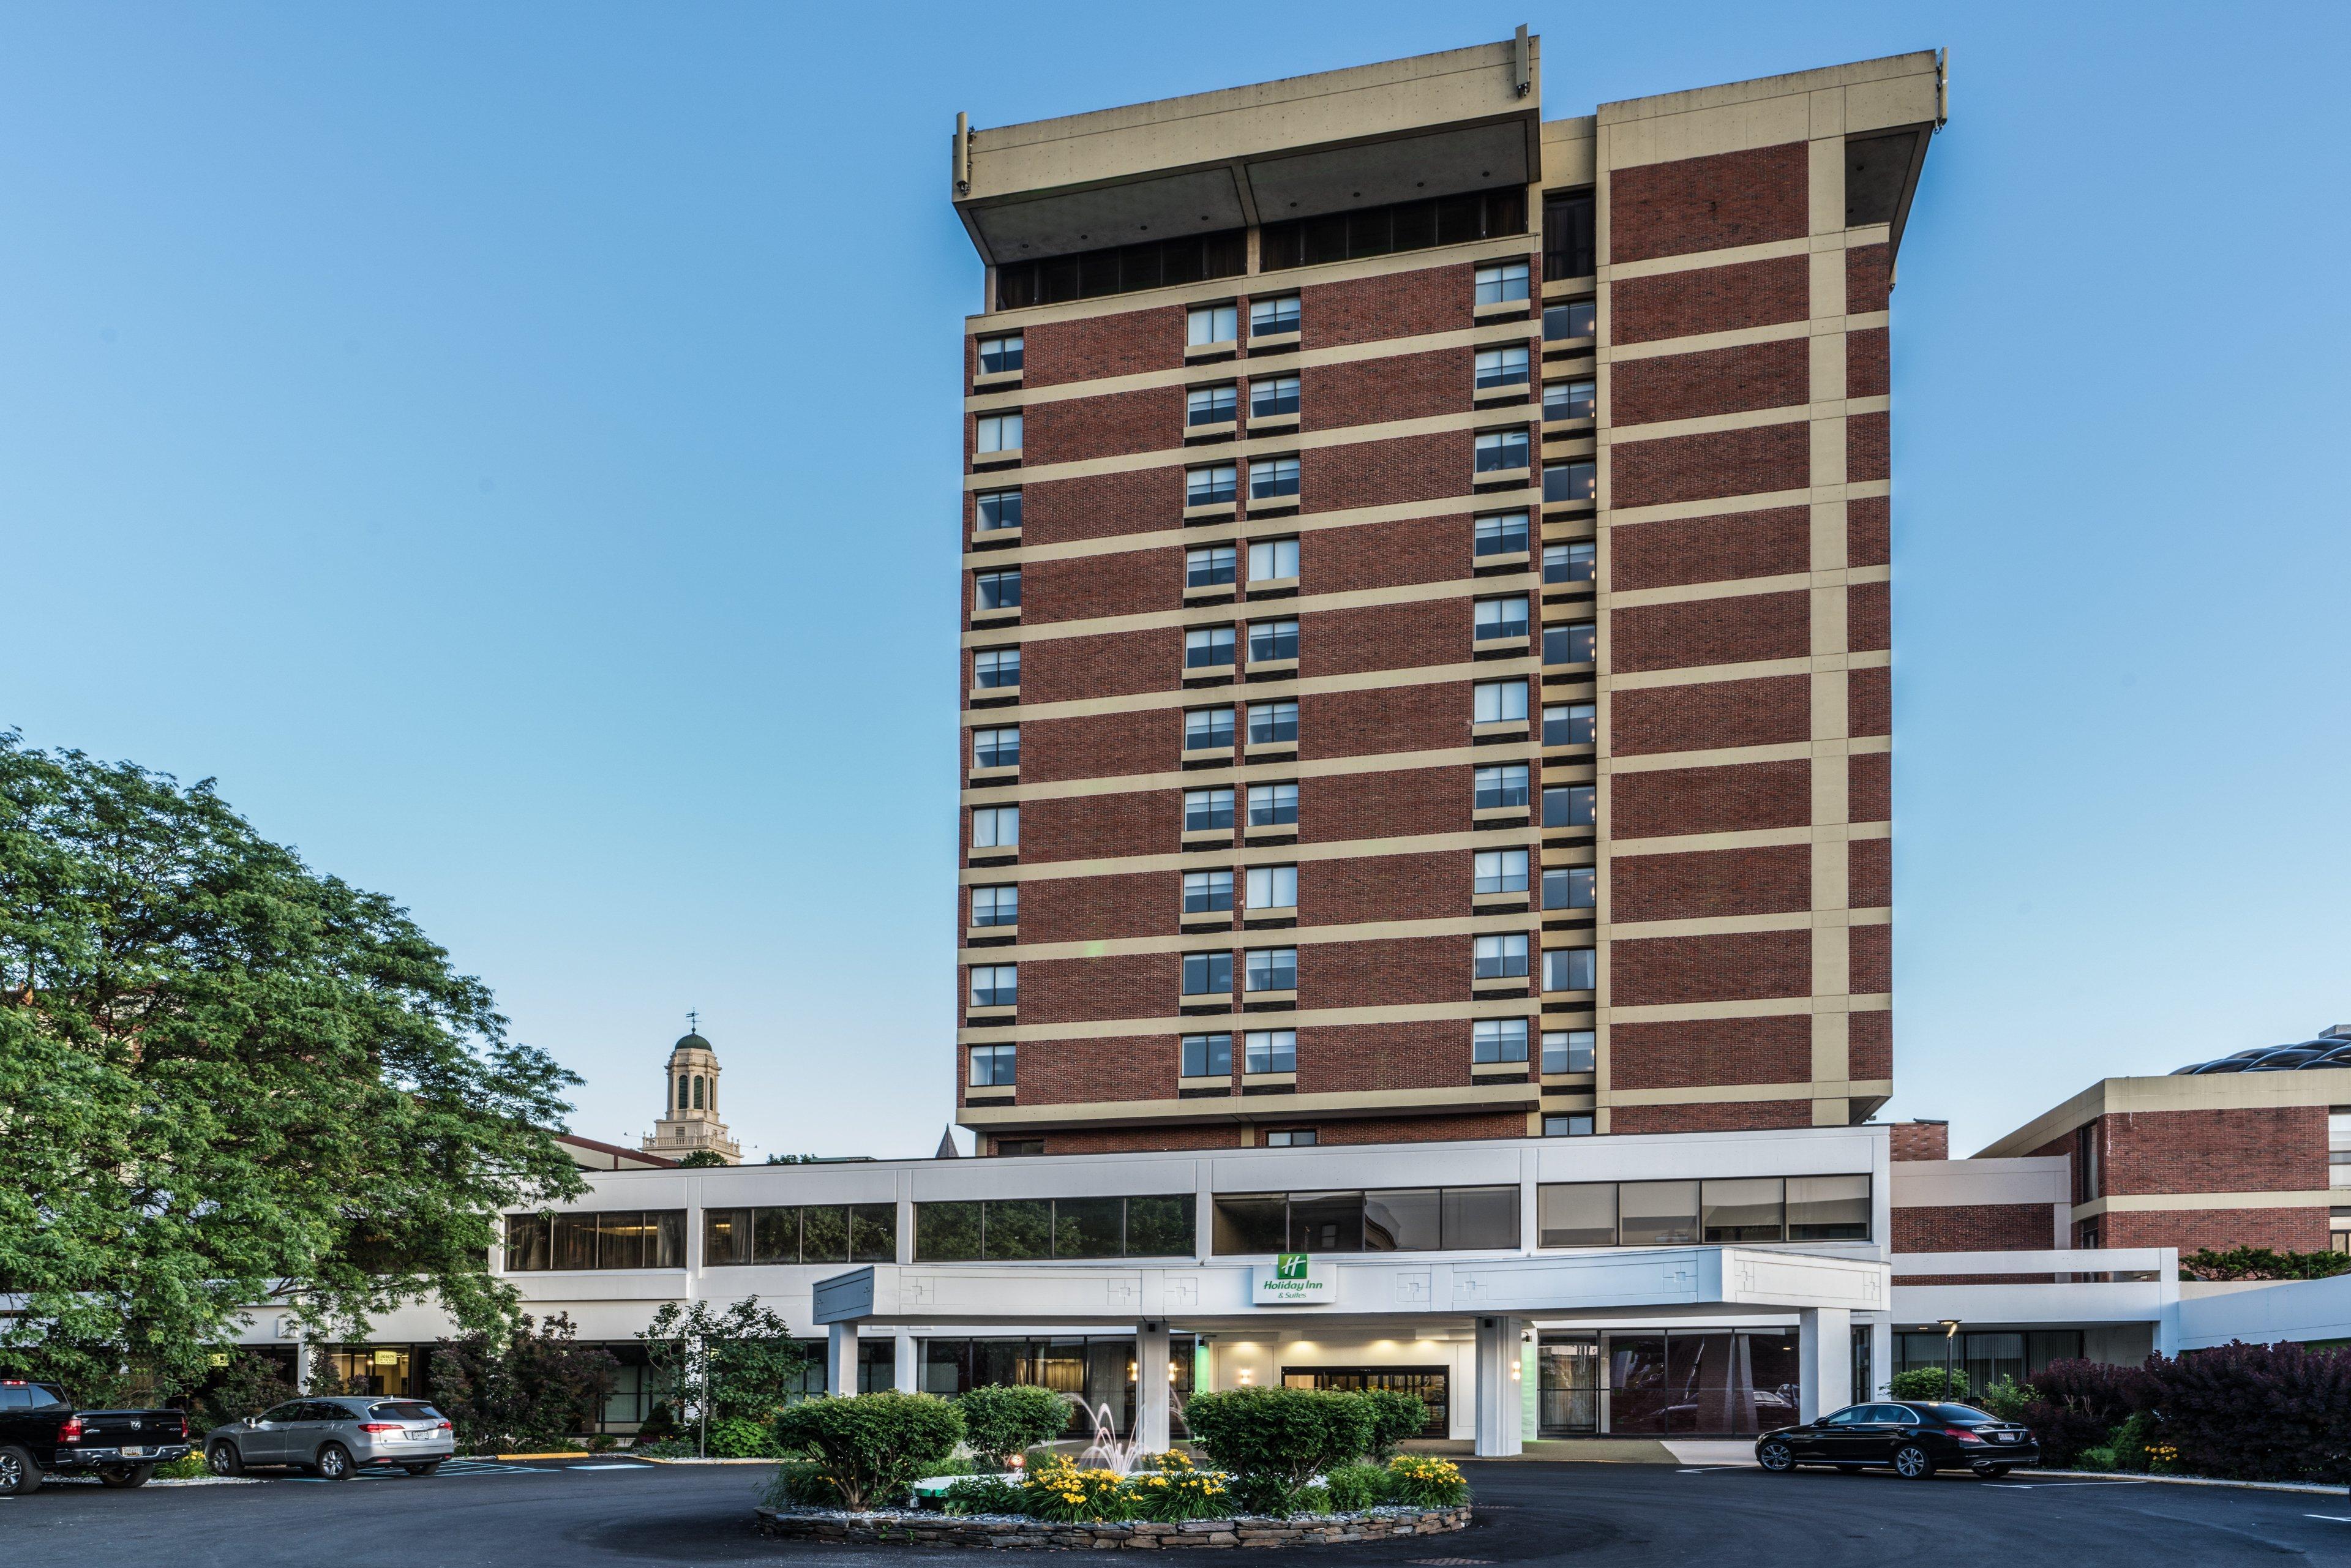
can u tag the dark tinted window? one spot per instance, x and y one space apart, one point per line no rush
16 1399
288 1412
1121 269
404 1410
1567 234
1407 225
1959 1415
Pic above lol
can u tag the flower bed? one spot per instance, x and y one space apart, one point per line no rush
903 1527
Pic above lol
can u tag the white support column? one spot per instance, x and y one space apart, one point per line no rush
840 1359
1824 1361
909 1377
1150 1386
1498 1388
1881 1358
305 1365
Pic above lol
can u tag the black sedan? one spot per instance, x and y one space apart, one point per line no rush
1916 1438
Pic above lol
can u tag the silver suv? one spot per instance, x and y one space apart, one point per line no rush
334 1437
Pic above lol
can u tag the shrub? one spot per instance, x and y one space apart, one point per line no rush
250 1383
736 1438
1315 1499
2130 1441
183 1469
802 1483
1172 1492
1423 1480
1060 1491
2005 1397
523 1391
2094 1459
1355 1488
999 1422
2075 1404
670 1447
872 1447
2256 1412
1395 1416
1264 1494
984 1494
1290 1433
1929 1383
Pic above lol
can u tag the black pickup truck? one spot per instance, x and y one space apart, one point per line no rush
41 1431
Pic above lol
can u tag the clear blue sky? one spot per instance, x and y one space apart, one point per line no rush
457 427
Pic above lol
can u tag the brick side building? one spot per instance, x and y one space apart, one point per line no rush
1424 578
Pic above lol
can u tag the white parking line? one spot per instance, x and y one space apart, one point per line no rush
648 1468
2037 1486
2330 1518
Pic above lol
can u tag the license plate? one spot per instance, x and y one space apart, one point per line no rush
133 1453
2005 1436
422 1436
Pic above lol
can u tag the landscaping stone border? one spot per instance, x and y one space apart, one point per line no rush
922 1527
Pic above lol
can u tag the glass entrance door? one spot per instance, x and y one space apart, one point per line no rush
1568 1370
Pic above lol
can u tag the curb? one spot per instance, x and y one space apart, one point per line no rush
666 1460
2309 1488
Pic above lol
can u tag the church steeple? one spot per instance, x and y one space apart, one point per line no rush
689 1120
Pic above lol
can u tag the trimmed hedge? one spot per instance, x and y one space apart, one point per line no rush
1002 1420
2237 1412
872 1447
1283 1435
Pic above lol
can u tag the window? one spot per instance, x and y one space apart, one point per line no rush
1570 724
1569 806
995 747
1214 485
1033 1230
1570 319
995 985
1273 887
1121 269
995 827
1501 871
1568 1051
1568 644
1657 1212
1271 640
1568 887
1273 805
2338 1229
1499 957
1211 567
2338 1148
623 1239
998 589
993 667
997 905
1502 284
998 509
1273 560
1208 974
998 356
1208 647
1752 1208
1398 1220
1499 702
1208 811
1211 405
1273 397
1501 618
1206 1056
1502 788
1460 219
1206 324
1828 1209
1269 1050
1290 1138
1502 534
1271 479
1498 367
1501 451
1497 1040
1574 1125
1273 724
1575 561
1575 1214
1207 892
1571 484
1673 1213
992 1066
1209 730
1569 250
1273 318
1570 400
1271 969
999 432
1568 969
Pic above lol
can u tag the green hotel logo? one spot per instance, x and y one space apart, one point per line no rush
1290 1266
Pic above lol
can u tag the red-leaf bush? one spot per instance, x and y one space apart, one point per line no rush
2238 1412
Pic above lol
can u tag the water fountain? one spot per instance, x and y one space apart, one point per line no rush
1109 1451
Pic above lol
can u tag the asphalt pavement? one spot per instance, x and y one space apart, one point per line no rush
601 1514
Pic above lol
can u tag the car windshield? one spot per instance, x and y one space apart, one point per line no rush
1961 1415
405 1410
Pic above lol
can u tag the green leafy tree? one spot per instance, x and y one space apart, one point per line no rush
700 1159
1002 1420
738 1364
2262 1263
522 1390
872 1447
246 1385
1929 1383
228 1081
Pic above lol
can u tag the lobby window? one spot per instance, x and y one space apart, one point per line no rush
995 747
1570 319
1569 969
1273 478
1208 974
1209 647
1502 284
1206 1056
610 1238
1460 219
1504 533
1271 969
1274 317
999 432
1273 724
1577 398
1211 567
997 906
1501 452
1290 1138
1000 356
1500 957
1501 788
1574 1124
1211 405
1269 1050
998 509
1497 1040
1273 887
1574 483
1569 235
1568 1049
1498 367
1273 805
1208 811
1568 887
1207 892
1208 324
1501 618
1272 639
1036 1230
1211 485
1273 560
992 1066
1501 871
993 667
1578 560
1570 724
1499 702
1570 806
995 827
995 985
1568 644
1273 397
996 590
1209 730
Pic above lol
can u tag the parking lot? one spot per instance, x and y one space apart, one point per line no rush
590 1513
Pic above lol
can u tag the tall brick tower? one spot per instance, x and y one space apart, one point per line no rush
1425 579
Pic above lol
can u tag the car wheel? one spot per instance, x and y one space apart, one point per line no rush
223 1459
19 1473
124 1475
1776 1456
424 1469
1912 1463
335 1462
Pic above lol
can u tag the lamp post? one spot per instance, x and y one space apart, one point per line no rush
1950 1340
